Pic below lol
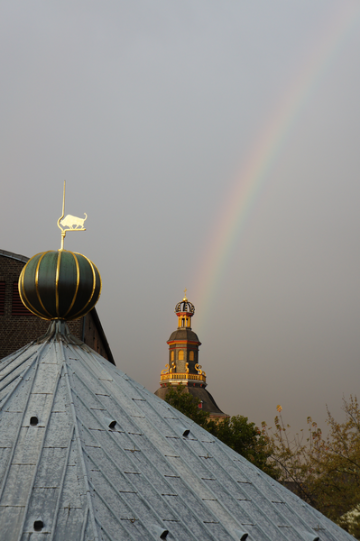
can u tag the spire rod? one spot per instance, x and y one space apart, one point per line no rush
185 298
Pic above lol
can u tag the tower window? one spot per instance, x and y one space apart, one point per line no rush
191 356
183 322
172 356
181 355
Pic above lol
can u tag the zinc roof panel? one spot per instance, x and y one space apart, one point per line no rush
50 468
9 427
217 531
16 401
17 485
156 501
45 379
194 524
39 406
59 430
10 517
229 500
265 522
28 445
69 524
118 527
42 505
195 502
292 518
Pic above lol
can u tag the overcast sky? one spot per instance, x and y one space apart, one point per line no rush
151 112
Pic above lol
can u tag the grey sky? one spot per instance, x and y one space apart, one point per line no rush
149 110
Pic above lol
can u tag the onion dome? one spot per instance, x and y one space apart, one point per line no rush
185 306
59 285
184 311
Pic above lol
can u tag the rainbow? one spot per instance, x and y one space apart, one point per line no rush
252 177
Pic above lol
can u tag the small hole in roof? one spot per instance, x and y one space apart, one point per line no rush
38 525
34 420
186 432
164 534
112 424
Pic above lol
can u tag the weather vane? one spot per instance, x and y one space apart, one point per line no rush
185 299
69 223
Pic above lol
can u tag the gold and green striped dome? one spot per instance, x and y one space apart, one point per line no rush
59 285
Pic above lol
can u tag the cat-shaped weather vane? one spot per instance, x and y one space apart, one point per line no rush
69 223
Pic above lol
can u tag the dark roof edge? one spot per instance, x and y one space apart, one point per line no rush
100 329
18 257
212 398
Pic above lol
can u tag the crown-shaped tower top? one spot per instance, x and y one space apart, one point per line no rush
185 311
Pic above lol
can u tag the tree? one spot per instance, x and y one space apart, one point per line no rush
325 471
237 432
246 439
187 404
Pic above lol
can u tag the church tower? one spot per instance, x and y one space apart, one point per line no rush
183 366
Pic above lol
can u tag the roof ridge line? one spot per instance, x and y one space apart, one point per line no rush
83 529
12 255
78 441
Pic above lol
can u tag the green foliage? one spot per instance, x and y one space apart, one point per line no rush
324 471
236 432
247 440
187 404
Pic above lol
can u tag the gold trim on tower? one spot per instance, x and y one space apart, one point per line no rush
23 296
93 289
57 276
100 290
185 376
77 284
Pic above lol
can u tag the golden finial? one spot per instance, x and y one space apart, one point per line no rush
69 223
185 298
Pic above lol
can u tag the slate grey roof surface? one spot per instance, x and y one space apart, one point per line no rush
184 334
88 454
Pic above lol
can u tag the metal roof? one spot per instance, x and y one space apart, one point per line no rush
88 454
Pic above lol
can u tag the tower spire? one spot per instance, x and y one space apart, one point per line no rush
183 365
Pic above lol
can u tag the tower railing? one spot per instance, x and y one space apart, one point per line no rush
182 375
